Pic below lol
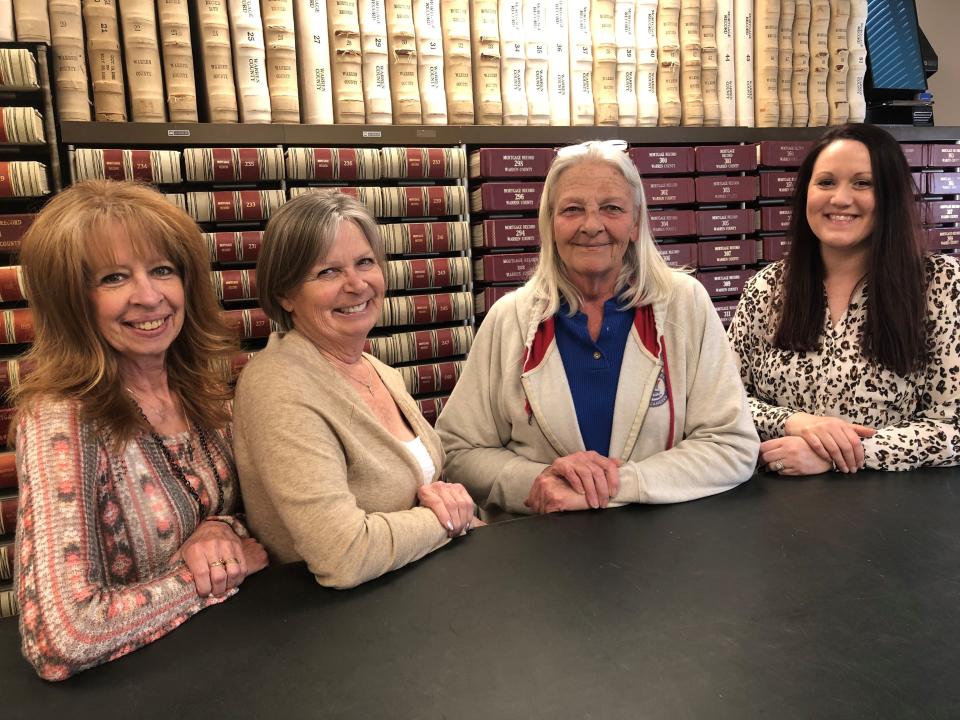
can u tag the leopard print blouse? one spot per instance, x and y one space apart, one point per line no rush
916 415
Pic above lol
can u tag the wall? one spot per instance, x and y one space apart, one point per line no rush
939 20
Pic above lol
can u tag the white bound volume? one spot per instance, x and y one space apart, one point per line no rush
513 71
788 10
648 106
142 58
485 49
7 32
558 69
281 59
726 63
106 64
626 37
250 62
668 74
767 62
213 24
313 50
743 18
603 32
839 48
856 36
69 60
457 75
376 71
537 61
402 47
433 94
801 64
708 59
346 64
174 17
691 82
581 63
819 63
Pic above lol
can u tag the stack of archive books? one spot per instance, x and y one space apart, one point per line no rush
505 198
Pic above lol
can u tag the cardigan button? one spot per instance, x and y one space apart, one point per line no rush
597 355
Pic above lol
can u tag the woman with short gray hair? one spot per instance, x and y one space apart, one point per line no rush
336 463
607 378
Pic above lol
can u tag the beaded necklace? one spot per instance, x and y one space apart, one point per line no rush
177 468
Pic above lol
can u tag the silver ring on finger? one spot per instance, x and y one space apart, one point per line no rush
778 466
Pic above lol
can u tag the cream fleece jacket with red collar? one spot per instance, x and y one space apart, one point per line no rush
509 418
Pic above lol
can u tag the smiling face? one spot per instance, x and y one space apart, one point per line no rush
840 197
340 300
594 220
138 301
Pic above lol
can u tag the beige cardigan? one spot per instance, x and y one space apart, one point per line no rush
322 480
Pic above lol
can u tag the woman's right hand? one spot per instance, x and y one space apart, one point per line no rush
832 439
452 505
590 474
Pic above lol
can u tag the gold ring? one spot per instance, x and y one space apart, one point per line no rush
218 563
778 466
235 561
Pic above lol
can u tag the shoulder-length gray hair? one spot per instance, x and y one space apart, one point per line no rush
644 278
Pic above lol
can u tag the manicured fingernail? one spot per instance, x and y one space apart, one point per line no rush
449 526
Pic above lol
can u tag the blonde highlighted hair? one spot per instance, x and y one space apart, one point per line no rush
70 238
644 278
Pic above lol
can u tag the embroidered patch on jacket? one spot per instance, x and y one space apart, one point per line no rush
659 396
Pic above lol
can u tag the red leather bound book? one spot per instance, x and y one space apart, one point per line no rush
672 223
716 253
12 228
679 255
726 158
505 267
16 326
775 247
669 191
726 222
725 309
511 162
726 188
775 218
783 153
777 184
8 469
939 156
507 233
507 197
723 283
663 160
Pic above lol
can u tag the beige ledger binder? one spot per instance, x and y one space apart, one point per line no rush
648 107
106 65
69 60
433 94
313 56
839 48
485 50
378 106
457 70
708 60
726 63
213 24
691 87
856 36
402 49
174 17
767 62
250 62
801 64
281 60
537 61
513 71
788 10
7 32
605 103
668 72
626 36
819 63
558 71
744 18
346 63
33 23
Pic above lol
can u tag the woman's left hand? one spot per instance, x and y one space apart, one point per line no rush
214 555
791 455
452 505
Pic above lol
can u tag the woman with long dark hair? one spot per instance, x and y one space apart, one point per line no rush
850 348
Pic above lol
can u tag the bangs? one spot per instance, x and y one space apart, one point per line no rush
148 238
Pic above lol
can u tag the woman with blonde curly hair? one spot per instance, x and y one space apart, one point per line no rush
123 440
